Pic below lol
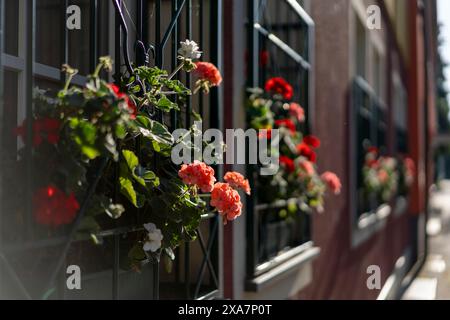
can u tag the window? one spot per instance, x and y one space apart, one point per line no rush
32 257
280 45
369 114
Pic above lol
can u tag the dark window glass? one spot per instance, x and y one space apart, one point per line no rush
360 48
79 40
12 27
50 24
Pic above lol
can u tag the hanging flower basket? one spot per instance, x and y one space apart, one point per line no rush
102 155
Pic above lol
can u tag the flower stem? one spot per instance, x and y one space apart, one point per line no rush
180 66
97 70
68 81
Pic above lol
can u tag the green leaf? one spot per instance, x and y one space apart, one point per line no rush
120 131
161 134
154 130
166 105
90 152
85 135
127 189
146 177
131 159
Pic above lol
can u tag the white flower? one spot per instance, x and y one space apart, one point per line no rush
189 50
154 237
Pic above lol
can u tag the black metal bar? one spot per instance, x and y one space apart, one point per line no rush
116 191
117 40
215 38
64 41
155 281
140 16
201 43
142 57
2 26
206 255
206 258
116 264
172 24
173 113
188 76
93 34
252 81
187 269
119 14
159 50
29 105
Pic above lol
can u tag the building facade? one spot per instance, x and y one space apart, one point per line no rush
357 85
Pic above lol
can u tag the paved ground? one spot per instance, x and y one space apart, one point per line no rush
433 282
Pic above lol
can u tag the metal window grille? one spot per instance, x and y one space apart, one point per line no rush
369 114
280 44
138 31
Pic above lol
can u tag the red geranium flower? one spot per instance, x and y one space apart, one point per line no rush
312 141
287 123
372 157
208 72
44 129
279 86
54 208
306 151
287 163
130 104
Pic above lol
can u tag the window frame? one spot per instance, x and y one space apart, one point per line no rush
261 273
364 224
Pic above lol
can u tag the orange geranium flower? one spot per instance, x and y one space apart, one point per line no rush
198 174
227 201
332 181
237 181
